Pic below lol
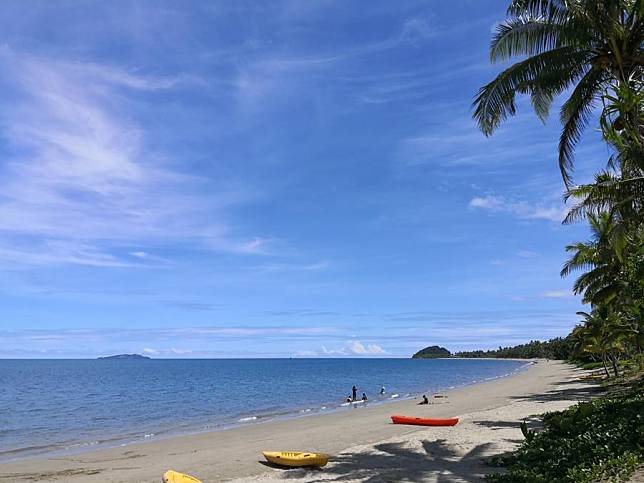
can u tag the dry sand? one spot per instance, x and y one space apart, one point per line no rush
364 445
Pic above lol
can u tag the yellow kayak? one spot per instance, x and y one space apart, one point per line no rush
296 458
171 476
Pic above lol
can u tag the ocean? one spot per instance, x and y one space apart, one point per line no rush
54 406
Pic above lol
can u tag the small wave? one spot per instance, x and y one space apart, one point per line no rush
394 396
151 435
245 420
81 445
308 410
322 408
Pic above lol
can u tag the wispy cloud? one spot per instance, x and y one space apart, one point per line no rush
519 209
82 186
305 353
556 294
294 267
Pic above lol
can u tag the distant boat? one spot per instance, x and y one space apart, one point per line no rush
424 421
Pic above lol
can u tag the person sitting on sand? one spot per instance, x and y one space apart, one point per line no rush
364 396
424 401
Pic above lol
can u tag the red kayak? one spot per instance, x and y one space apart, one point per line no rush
424 421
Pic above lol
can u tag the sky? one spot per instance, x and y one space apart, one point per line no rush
271 179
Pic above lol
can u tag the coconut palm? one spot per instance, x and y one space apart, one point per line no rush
598 257
593 47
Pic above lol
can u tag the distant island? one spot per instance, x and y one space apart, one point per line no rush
126 357
432 352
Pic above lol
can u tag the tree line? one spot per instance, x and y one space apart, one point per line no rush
559 348
591 51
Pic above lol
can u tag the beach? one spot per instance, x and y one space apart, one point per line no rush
362 442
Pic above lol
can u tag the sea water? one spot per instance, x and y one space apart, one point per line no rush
69 405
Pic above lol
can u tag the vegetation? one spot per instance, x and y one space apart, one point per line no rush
592 49
592 441
432 352
559 348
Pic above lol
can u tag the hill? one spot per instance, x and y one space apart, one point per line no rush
431 352
126 357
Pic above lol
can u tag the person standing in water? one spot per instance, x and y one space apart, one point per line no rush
382 390
355 393
364 397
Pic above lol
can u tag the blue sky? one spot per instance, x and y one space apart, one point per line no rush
260 179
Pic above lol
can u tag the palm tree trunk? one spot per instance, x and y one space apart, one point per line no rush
613 360
605 367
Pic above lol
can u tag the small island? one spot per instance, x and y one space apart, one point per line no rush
432 352
126 357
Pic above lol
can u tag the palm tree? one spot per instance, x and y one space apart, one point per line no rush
600 282
591 46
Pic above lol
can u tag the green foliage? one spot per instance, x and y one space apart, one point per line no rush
591 48
592 441
431 352
559 348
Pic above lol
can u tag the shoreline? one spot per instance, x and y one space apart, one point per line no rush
296 412
235 453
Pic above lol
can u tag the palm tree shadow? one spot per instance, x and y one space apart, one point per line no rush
392 462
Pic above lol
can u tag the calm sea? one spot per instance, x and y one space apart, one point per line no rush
68 405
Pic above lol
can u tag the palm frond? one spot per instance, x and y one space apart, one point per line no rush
575 114
496 101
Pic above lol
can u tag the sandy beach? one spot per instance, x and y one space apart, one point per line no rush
364 445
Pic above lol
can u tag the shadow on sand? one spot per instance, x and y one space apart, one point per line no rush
391 462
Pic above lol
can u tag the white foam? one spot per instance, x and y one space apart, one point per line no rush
245 420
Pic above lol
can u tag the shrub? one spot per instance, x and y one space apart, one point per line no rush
591 441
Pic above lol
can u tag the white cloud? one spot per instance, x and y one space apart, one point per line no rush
294 267
83 182
139 254
147 350
527 254
180 352
487 202
519 209
333 352
416 29
556 294
305 353
358 348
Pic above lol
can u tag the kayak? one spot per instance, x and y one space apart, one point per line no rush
424 421
172 476
296 458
